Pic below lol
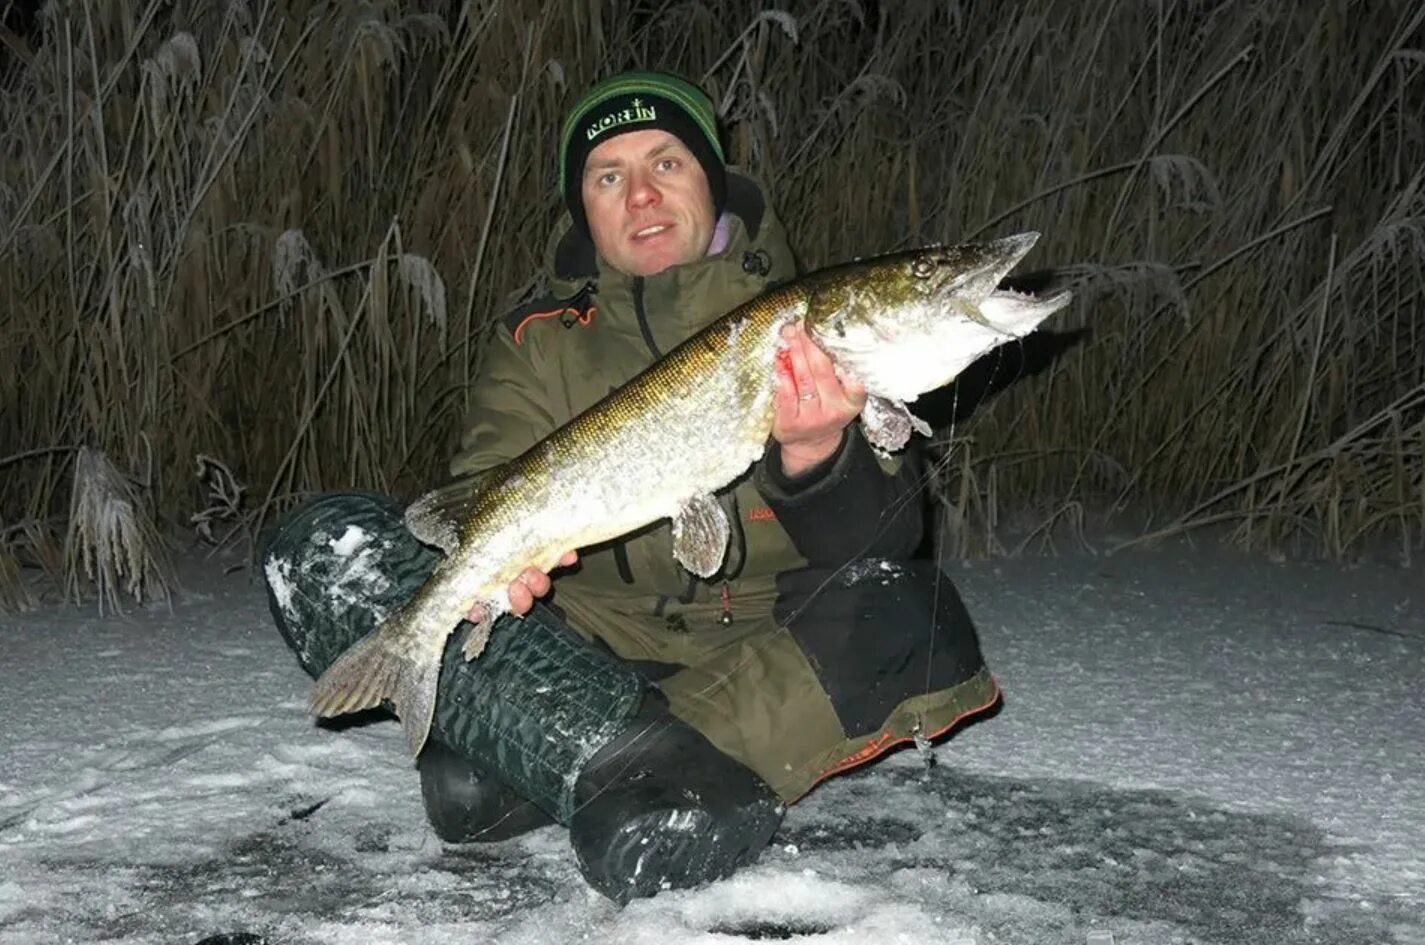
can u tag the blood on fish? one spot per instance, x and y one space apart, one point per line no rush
784 368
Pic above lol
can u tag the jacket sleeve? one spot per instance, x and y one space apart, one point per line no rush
854 505
509 408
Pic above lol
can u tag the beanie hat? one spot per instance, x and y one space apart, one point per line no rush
638 101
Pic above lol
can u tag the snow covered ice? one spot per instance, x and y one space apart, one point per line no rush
1195 747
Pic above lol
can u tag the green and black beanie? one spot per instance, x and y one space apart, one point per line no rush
638 101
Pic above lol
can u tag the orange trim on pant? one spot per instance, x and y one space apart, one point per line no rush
885 741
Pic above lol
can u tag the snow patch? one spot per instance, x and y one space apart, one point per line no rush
64 826
13 899
765 897
360 580
352 539
881 571
1098 801
212 727
279 580
219 780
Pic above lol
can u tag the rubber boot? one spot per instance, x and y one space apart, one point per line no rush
465 804
661 808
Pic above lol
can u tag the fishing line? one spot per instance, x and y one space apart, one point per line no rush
939 552
940 519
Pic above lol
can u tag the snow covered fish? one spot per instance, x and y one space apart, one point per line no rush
902 324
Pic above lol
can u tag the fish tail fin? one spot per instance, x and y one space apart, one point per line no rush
382 667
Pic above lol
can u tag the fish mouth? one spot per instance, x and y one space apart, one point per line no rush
1009 250
1018 313
973 274
982 267
975 270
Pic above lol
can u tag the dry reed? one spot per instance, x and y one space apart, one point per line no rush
277 235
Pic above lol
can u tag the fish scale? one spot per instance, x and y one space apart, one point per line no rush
663 444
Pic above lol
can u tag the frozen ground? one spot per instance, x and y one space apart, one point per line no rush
1194 747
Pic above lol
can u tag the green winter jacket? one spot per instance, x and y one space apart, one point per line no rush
590 330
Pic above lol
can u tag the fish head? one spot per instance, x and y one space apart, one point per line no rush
907 323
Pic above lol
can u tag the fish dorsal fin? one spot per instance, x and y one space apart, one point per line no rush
700 533
435 517
888 424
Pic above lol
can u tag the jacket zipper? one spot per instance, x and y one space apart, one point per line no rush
643 317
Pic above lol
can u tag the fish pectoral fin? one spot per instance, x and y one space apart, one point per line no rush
888 424
479 633
700 533
435 518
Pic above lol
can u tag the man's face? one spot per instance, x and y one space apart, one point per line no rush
647 202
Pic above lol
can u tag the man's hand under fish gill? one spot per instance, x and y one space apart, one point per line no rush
813 403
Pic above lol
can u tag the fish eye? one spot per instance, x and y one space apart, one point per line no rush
922 267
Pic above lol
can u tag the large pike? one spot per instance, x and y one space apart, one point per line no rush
690 424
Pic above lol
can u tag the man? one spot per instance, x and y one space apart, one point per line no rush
665 720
